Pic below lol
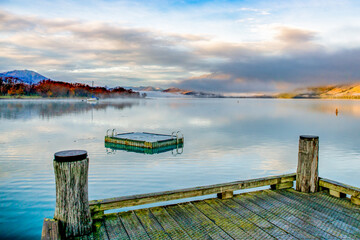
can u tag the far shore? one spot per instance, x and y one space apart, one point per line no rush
25 97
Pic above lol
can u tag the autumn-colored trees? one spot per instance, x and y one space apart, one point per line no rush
12 87
49 88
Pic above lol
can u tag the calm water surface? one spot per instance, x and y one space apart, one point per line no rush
225 140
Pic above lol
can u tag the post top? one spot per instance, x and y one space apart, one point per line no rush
309 137
70 155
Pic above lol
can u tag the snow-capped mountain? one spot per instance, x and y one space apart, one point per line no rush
26 76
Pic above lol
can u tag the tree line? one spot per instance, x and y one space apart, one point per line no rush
48 88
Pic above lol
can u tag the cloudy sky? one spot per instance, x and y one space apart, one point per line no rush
216 46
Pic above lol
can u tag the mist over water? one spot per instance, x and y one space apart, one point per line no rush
225 140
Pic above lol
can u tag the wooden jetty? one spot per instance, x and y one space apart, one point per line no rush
318 209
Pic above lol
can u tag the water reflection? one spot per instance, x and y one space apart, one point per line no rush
175 150
226 140
47 109
331 107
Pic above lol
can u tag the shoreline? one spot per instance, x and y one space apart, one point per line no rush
58 98
223 97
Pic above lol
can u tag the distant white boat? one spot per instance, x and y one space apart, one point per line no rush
92 99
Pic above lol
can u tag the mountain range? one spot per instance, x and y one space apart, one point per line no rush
145 88
26 76
175 91
327 91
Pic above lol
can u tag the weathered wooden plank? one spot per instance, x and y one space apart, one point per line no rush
193 228
151 225
99 230
294 216
353 224
114 227
133 226
321 220
257 220
247 226
224 223
171 227
213 230
119 202
282 185
334 207
339 187
355 200
330 216
337 194
281 211
51 230
297 232
343 202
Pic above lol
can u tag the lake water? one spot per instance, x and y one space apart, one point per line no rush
225 140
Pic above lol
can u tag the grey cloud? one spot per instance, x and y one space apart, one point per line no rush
225 86
265 73
315 66
59 46
227 51
91 40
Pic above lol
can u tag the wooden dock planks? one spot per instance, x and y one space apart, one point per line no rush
196 225
170 226
325 208
100 231
252 230
151 225
293 216
292 229
317 218
115 228
133 226
267 214
257 220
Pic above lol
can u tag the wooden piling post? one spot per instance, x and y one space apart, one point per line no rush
51 230
72 203
307 175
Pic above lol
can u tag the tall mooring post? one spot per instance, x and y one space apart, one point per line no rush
72 204
307 174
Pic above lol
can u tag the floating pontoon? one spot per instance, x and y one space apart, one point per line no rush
144 139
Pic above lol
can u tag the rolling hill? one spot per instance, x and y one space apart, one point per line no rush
26 76
351 90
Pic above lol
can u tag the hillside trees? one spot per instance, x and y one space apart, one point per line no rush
48 88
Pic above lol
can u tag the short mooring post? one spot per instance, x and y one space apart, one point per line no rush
307 174
72 203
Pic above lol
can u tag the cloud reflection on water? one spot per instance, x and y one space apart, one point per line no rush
24 109
225 140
